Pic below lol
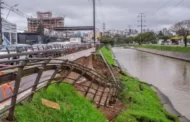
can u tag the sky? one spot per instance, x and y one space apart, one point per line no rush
116 14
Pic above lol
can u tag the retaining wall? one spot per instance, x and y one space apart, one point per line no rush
177 55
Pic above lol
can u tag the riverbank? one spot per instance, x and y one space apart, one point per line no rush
142 102
172 48
162 50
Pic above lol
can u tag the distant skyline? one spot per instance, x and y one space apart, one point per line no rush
117 14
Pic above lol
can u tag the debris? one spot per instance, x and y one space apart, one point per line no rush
50 104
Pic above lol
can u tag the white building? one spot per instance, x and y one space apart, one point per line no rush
9 31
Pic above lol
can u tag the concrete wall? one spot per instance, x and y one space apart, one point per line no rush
181 56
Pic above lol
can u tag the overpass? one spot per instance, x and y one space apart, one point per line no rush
74 28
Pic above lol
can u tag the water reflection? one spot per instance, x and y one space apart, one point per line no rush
171 76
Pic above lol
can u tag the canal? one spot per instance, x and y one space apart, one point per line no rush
171 76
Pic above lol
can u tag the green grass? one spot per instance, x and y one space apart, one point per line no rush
74 107
143 104
106 51
166 48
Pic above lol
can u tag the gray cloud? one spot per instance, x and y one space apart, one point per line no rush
117 14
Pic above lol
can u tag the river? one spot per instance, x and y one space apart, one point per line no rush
171 76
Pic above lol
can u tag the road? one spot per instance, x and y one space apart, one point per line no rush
28 81
171 76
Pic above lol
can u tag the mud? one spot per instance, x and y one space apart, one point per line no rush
96 63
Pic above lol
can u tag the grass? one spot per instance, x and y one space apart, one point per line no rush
106 51
143 104
166 48
74 107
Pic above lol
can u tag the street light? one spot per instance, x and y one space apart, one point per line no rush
11 8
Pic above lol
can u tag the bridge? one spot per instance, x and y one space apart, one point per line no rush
32 74
74 28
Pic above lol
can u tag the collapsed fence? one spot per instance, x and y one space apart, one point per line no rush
46 71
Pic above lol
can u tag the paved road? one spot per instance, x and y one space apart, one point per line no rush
27 81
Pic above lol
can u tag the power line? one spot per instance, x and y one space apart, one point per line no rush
17 11
13 10
101 12
141 16
163 5
179 3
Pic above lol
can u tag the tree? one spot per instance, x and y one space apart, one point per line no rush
182 29
129 40
106 40
148 37
160 33
40 29
165 38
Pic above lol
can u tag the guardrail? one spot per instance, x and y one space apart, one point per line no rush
43 53
27 67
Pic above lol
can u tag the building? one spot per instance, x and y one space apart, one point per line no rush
34 38
166 32
46 19
89 37
9 30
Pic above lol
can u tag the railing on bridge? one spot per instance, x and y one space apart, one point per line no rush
28 67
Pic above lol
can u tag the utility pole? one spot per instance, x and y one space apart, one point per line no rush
11 8
94 20
130 30
141 16
1 33
104 28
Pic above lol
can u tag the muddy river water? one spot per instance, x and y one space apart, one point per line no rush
171 76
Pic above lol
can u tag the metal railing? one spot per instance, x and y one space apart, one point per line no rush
43 53
27 68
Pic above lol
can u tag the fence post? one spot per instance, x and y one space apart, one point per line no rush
8 52
54 74
91 83
15 92
78 78
101 96
41 69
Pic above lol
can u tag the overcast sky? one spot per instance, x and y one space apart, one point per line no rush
117 14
